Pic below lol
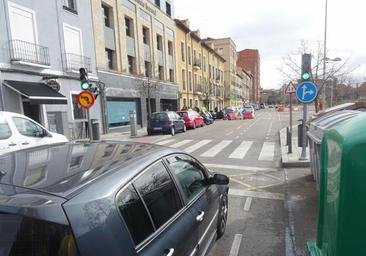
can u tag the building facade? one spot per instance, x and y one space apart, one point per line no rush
200 70
249 60
42 46
135 55
226 48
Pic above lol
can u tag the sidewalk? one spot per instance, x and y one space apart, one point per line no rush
292 160
140 137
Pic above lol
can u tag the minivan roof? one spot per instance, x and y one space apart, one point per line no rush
64 170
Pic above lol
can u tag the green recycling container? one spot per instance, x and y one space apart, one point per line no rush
341 227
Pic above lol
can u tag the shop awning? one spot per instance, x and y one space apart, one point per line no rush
37 93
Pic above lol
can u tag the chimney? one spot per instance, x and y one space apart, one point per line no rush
197 33
186 22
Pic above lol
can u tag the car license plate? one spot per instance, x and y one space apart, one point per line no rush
157 128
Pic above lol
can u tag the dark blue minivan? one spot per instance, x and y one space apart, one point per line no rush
112 199
166 122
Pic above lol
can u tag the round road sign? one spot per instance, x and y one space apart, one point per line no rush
86 99
306 92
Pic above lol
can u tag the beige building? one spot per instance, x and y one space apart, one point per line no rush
135 56
200 70
226 48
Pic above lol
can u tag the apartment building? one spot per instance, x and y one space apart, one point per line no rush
249 60
200 74
226 48
42 46
244 83
135 55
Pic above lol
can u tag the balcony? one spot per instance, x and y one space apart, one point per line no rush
29 53
197 64
73 62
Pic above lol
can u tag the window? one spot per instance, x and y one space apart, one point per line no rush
168 9
5 131
170 48
159 193
184 79
159 42
190 80
220 51
184 102
189 175
129 27
28 236
27 128
109 56
131 64
209 71
79 112
171 75
196 103
70 5
194 55
161 72
157 2
147 69
190 102
189 55
182 51
106 15
146 35
134 214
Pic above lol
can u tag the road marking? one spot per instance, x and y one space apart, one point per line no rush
241 150
237 137
234 251
197 146
229 133
239 167
267 152
247 204
216 149
242 183
181 143
164 142
256 194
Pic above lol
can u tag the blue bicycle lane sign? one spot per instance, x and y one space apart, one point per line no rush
306 92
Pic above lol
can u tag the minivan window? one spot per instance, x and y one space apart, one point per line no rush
171 115
27 127
159 193
134 214
189 175
27 236
5 131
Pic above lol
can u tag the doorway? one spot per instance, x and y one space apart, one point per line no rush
32 111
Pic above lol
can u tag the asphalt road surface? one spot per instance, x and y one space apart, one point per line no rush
272 211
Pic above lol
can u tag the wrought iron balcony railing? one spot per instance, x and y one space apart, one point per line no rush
73 62
29 52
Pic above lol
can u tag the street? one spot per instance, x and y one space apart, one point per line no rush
267 204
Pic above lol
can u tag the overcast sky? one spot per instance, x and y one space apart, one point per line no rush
277 27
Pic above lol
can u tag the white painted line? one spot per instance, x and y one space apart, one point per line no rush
181 143
216 149
256 194
267 152
237 137
197 146
234 251
239 167
229 133
247 204
164 142
241 150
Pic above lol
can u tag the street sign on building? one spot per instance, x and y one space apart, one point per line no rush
306 92
291 88
85 99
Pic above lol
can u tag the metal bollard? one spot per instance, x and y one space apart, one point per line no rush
133 122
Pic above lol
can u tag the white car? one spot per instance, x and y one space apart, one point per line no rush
20 132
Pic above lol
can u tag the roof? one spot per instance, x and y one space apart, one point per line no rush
64 170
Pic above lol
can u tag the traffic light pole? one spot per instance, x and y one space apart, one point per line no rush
303 152
90 130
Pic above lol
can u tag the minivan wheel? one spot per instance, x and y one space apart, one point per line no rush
172 131
221 226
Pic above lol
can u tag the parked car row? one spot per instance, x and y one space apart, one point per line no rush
170 122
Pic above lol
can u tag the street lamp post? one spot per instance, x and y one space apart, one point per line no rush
325 48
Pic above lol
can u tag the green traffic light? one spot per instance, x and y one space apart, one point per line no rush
85 86
305 75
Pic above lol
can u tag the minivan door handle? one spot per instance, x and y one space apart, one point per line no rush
200 216
25 143
12 144
169 252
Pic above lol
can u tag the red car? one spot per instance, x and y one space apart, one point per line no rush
192 119
249 113
230 115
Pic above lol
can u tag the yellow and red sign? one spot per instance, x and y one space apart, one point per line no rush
86 99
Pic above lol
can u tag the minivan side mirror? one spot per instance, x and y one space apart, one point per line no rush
219 179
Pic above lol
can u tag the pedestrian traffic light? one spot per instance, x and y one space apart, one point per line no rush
84 79
306 67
